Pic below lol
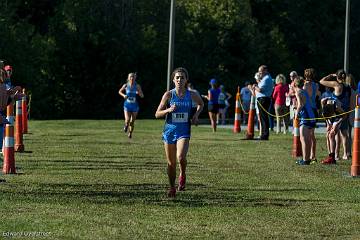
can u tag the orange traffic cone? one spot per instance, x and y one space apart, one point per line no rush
9 156
24 113
237 127
296 151
251 119
19 145
355 164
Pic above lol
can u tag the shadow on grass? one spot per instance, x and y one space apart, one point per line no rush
197 195
25 152
103 164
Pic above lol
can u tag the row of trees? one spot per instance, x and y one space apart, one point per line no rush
73 55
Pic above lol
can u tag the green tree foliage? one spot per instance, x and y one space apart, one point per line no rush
73 56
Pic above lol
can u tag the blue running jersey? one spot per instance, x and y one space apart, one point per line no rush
306 113
177 123
214 96
130 104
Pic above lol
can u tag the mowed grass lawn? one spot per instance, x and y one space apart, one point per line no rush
84 179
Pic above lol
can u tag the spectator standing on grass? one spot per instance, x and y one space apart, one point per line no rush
350 81
129 92
223 105
279 98
291 95
253 93
343 93
245 96
312 88
263 91
176 106
305 114
332 107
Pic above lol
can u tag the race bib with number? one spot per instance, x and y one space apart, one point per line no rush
131 99
180 117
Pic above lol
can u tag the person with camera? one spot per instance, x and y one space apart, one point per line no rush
129 92
343 94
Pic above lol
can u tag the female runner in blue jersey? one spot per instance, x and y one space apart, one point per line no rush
176 106
131 106
304 112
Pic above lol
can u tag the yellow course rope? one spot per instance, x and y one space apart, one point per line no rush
319 118
242 107
270 113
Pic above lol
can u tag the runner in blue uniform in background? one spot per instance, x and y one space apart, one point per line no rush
213 102
129 91
176 106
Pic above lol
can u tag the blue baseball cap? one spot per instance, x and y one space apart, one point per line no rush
213 81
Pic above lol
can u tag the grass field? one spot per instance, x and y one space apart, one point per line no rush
84 179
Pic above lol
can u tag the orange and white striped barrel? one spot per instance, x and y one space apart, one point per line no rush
9 156
296 151
237 127
251 118
355 164
19 145
24 113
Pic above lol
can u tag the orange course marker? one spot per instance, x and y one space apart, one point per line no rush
19 145
9 156
355 164
237 127
296 151
251 119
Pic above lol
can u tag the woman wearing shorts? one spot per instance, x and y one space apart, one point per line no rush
306 116
129 91
213 102
176 106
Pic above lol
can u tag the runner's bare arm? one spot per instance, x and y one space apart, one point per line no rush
139 91
162 110
121 91
200 105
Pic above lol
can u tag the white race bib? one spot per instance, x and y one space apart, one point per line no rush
131 99
180 117
288 101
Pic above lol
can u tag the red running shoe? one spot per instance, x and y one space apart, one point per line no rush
182 181
328 160
171 192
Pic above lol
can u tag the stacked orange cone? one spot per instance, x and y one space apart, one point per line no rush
237 127
19 145
355 164
9 156
251 119
24 113
296 151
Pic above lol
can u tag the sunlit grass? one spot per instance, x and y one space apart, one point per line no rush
84 179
